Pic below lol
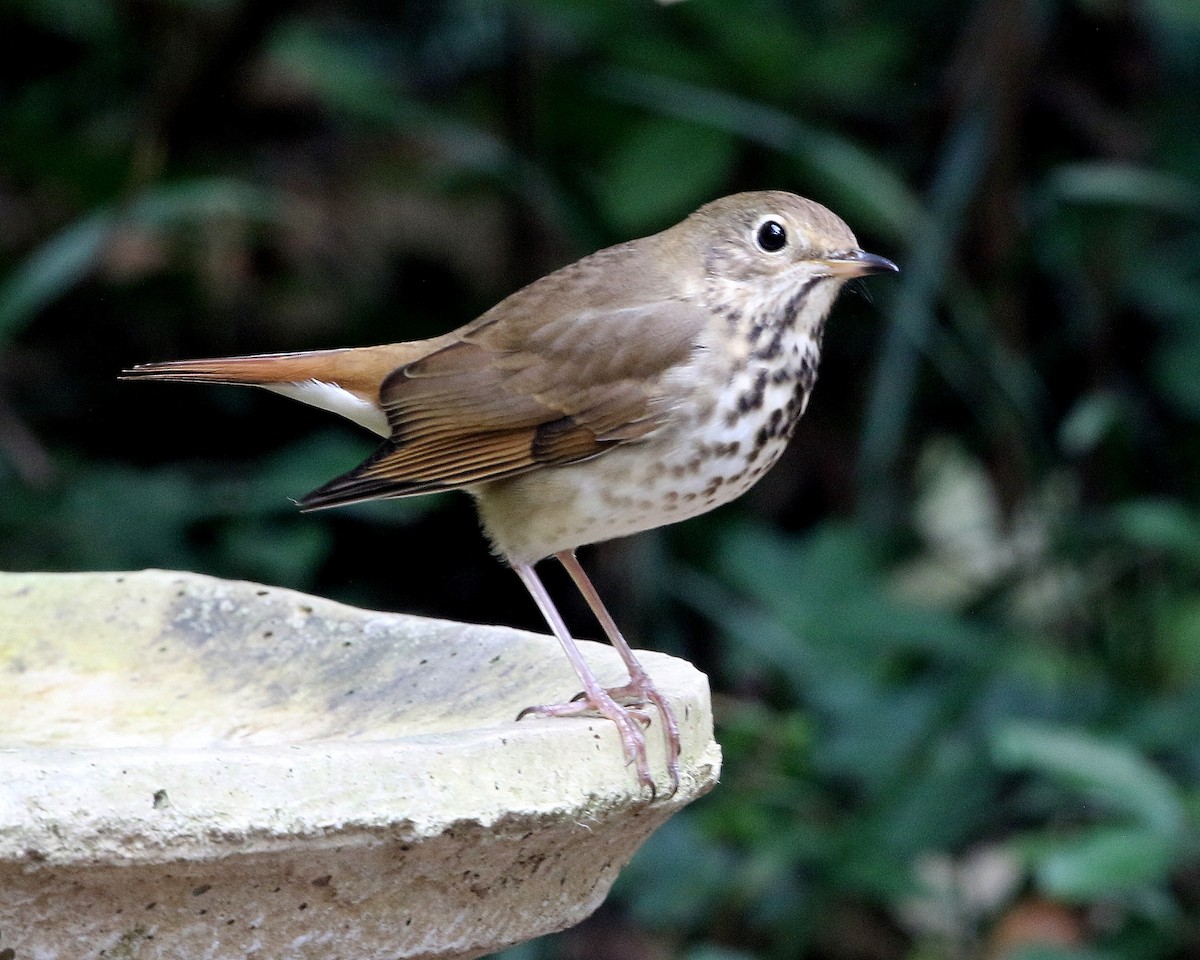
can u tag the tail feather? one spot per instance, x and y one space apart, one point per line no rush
361 370
258 370
345 382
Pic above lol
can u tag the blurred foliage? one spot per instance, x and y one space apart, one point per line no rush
954 636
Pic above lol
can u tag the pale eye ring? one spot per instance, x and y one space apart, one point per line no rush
771 236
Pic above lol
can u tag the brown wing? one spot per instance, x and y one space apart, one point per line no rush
511 394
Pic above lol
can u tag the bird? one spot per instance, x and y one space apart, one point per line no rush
642 385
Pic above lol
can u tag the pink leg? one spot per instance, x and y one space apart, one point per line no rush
595 698
640 688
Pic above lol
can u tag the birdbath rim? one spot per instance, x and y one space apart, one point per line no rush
158 720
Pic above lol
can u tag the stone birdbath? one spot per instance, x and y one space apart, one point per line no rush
199 768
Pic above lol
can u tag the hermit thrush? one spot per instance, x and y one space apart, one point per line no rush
644 384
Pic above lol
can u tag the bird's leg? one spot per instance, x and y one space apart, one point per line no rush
595 699
640 688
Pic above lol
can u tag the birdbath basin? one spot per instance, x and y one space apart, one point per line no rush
200 768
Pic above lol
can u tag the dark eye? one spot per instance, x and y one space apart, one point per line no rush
771 236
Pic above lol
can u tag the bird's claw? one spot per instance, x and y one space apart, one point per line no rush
630 722
641 691
633 697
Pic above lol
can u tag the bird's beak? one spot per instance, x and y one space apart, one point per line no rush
858 263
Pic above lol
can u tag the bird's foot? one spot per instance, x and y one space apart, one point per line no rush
629 721
640 690
637 694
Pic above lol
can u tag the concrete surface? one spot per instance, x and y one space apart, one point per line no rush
195 768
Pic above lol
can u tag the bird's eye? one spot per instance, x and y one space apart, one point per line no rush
771 236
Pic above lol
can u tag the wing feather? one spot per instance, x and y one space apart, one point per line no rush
561 371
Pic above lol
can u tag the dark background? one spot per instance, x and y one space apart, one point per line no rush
954 636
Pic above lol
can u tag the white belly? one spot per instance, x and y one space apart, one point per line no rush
707 455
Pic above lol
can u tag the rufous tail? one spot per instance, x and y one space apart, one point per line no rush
345 382
358 369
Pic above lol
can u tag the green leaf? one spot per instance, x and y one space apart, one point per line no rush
1043 951
861 186
1114 184
276 552
181 203
50 271
1157 523
1180 631
1106 861
1176 370
1094 417
937 805
709 951
1105 772
92 22
827 589
67 258
274 483
661 168
683 897
1181 17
